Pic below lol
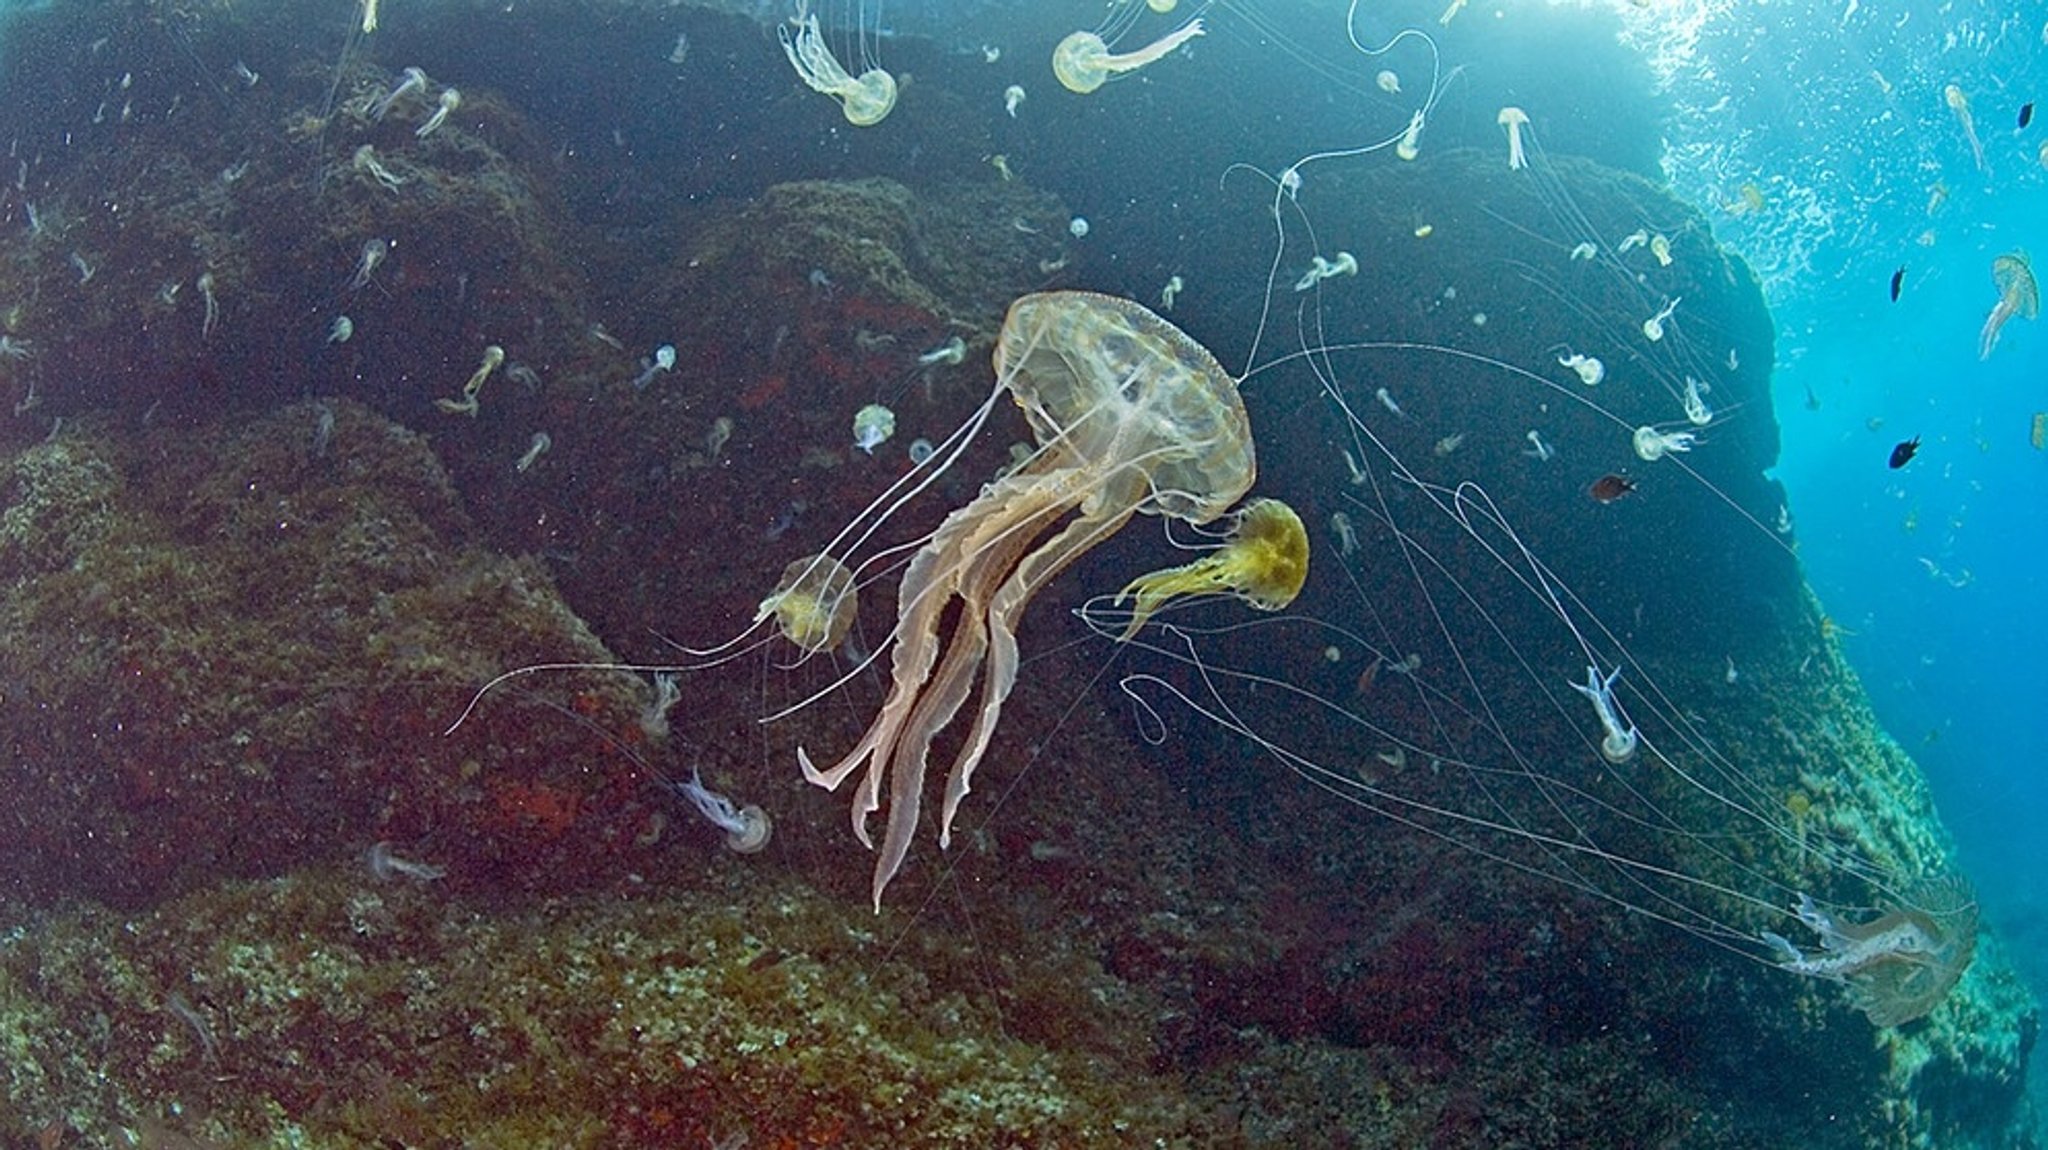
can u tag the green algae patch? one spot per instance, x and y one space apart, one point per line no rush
321 1010
234 650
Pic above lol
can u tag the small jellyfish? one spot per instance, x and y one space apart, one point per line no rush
813 603
534 450
449 102
1538 449
1083 62
1389 82
1078 227
1619 738
865 99
664 360
717 437
1410 144
1590 370
1264 563
921 451
1347 535
1697 412
1514 120
411 80
342 328
2018 295
872 426
1170 292
1013 96
1321 269
951 352
1653 328
1960 105
1661 248
1634 239
1585 251
1652 445
374 252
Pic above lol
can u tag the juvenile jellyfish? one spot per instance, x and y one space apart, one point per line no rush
1590 370
411 80
1013 96
1321 269
1652 445
951 352
1514 120
449 102
1697 411
872 427
865 99
1264 563
1082 61
1389 82
1661 248
1410 144
1653 328
813 603
1131 416
1619 738
2017 296
1960 105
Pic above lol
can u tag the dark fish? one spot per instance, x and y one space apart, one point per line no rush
2026 113
1609 488
1898 281
1903 453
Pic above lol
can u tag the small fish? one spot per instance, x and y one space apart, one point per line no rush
1898 281
1609 488
1903 453
2026 113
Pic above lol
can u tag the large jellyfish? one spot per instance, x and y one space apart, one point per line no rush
1130 416
2017 296
866 99
1083 61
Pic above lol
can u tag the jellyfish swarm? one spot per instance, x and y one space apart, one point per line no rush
1264 563
2018 295
866 99
1082 61
1130 416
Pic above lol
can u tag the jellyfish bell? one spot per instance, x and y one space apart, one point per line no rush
1514 120
1131 416
1264 563
813 604
1083 62
2018 295
865 99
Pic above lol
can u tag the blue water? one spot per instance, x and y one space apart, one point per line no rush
1934 569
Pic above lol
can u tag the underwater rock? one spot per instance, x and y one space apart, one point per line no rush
230 651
